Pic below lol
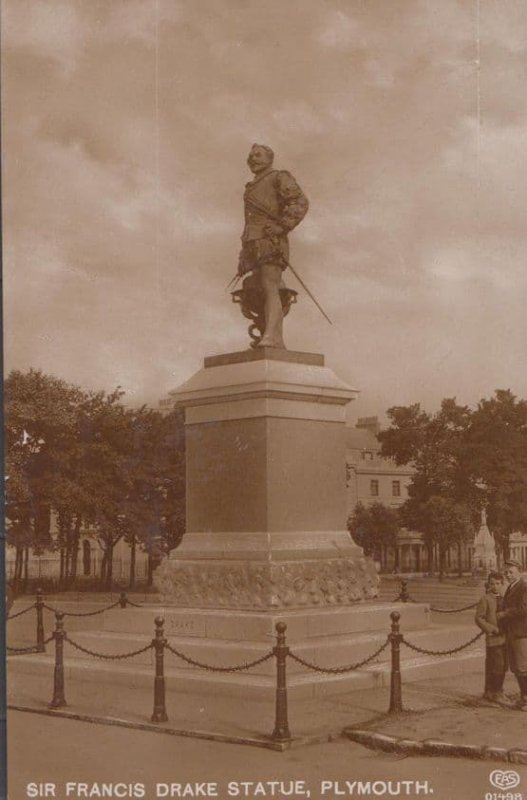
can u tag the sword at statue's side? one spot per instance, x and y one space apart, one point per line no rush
303 285
233 281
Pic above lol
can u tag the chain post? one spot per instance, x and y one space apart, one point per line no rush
159 642
395 637
123 600
58 699
403 594
39 605
281 651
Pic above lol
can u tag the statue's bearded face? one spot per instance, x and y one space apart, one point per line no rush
259 159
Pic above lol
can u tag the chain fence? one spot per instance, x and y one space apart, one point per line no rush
280 653
34 648
19 613
404 597
40 606
131 603
212 668
453 610
107 656
81 613
340 670
450 652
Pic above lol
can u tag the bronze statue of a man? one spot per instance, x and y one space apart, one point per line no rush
274 205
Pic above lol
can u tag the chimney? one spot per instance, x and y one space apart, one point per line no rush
370 424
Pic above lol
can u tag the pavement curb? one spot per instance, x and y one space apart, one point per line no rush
252 741
433 747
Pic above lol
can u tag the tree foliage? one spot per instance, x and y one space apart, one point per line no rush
374 527
88 462
496 459
464 459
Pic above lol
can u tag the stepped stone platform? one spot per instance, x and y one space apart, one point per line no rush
325 637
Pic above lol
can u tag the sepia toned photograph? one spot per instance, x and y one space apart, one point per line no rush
265 398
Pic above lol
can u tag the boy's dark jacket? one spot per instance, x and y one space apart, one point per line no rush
514 620
487 620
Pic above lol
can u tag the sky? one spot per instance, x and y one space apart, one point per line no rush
125 131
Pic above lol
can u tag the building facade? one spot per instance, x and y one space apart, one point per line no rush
47 565
370 478
373 479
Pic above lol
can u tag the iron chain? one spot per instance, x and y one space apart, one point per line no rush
81 613
340 670
210 668
107 656
20 650
452 610
19 613
398 599
442 652
404 597
131 603
33 649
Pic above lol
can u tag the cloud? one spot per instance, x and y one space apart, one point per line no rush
52 30
126 130
340 30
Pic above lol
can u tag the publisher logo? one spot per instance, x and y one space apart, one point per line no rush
504 778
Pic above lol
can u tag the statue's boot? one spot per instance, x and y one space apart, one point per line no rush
273 335
274 317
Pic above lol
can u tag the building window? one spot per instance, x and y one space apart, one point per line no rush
374 488
396 488
367 455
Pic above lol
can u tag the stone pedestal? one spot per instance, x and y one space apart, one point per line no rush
266 513
266 494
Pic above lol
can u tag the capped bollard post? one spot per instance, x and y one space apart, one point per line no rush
281 651
58 699
39 605
158 643
395 637
123 600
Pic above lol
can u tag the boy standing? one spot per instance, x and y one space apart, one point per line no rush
496 662
513 618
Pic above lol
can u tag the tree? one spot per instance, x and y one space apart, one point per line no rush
496 459
444 500
86 460
155 507
40 424
441 520
374 528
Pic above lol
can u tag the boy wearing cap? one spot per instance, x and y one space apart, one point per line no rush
496 648
513 620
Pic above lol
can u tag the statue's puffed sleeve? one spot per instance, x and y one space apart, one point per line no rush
294 204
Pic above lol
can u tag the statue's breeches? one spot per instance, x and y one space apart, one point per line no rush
256 252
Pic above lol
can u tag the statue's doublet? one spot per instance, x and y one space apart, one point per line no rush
273 196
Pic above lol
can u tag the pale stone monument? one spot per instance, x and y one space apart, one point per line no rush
484 548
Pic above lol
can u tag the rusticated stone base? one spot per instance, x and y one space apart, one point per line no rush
327 572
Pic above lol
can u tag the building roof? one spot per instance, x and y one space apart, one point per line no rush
361 439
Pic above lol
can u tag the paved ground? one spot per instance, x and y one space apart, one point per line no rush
449 708
55 750
44 750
